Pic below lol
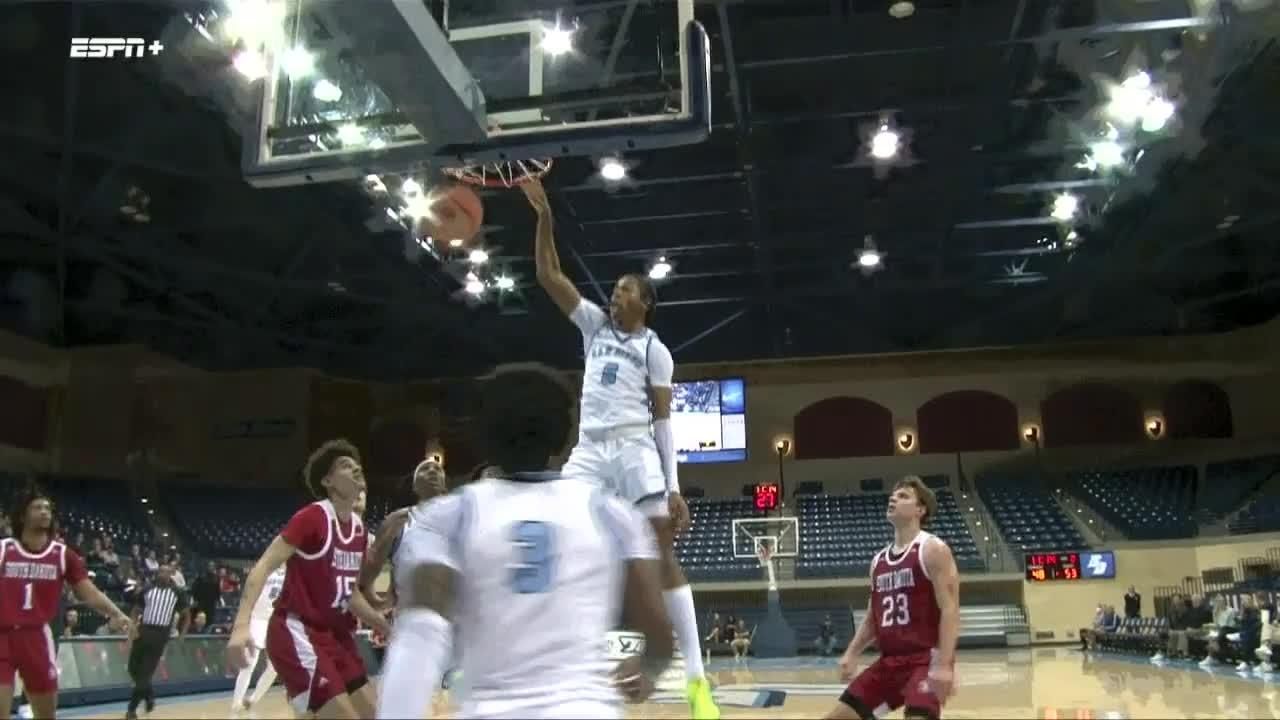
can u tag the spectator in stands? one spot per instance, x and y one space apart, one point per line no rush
149 562
1105 620
741 641
1177 615
1224 623
825 643
228 583
135 557
95 550
108 554
71 623
717 629
205 591
1132 603
179 580
1266 606
199 623
77 543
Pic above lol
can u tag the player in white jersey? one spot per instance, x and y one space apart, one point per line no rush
624 426
258 635
529 572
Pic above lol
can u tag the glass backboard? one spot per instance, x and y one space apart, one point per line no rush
351 88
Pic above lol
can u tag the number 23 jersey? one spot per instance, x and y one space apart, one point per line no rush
903 605
321 575
541 565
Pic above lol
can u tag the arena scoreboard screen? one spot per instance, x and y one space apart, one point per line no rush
1048 567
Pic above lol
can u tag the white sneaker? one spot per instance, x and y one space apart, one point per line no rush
1266 668
1158 657
1243 666
1208 661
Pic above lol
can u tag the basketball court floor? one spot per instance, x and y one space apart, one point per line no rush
1052 683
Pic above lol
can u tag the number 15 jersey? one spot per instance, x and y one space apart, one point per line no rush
541 567
321 576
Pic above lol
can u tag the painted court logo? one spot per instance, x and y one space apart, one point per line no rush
83 48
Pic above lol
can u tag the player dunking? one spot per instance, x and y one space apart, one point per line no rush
34 564
310 637
624 427
913 617
532 570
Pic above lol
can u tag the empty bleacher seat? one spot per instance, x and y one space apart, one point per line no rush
706 550
840 534
1027 516
1152 503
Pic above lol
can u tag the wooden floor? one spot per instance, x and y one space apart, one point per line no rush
1055 683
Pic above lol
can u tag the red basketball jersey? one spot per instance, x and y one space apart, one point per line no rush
905 609
31 583
321 576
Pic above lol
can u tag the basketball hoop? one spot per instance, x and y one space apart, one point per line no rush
502 174
764 553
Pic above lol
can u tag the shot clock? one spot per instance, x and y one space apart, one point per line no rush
767 496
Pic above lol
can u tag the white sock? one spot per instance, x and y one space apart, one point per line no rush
264 683
242 685
684 618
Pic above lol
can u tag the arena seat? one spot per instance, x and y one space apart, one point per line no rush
805 621
1027 516
1138 636
1233 482
217 522
840 534
986 625
1152 503
91 505
706 550
1261 515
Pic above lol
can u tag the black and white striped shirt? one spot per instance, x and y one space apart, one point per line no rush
159 603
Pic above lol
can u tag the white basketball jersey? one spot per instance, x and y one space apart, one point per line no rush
267 600
615 382
541 568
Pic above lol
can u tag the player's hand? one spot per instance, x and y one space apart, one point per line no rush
679 511
121 624
631 681
942 681
848 666
537 195
238 648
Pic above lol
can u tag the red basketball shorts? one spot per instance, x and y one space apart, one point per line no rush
315 664
29 652
896 681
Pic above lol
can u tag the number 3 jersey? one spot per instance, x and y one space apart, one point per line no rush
31 582
321 575
541 568
903 605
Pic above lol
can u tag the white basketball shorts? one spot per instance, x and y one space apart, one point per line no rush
258 633
626 462
563 710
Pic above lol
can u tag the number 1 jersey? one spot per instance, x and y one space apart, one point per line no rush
31 582
321 575
541 568
903 606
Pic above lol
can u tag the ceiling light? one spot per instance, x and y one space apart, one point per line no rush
1157 114
455 243
297 62
869 258
505 283
1065 206
474 286
410 187
326 91
1130 98
557 41
350 134
884 144
660 270
478 257
251 64
902 9
612 169
1107 153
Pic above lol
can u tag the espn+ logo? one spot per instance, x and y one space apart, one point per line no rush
86 48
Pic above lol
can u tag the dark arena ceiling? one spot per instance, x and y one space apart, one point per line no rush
1001 107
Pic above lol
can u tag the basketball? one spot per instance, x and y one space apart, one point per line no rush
456 215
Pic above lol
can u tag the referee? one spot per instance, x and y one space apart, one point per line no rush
153 621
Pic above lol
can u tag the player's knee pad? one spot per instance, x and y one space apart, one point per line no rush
918 713
858 706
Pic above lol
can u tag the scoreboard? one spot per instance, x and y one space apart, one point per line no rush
1049 567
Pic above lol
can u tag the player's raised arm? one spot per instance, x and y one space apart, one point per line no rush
422 639
546 259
